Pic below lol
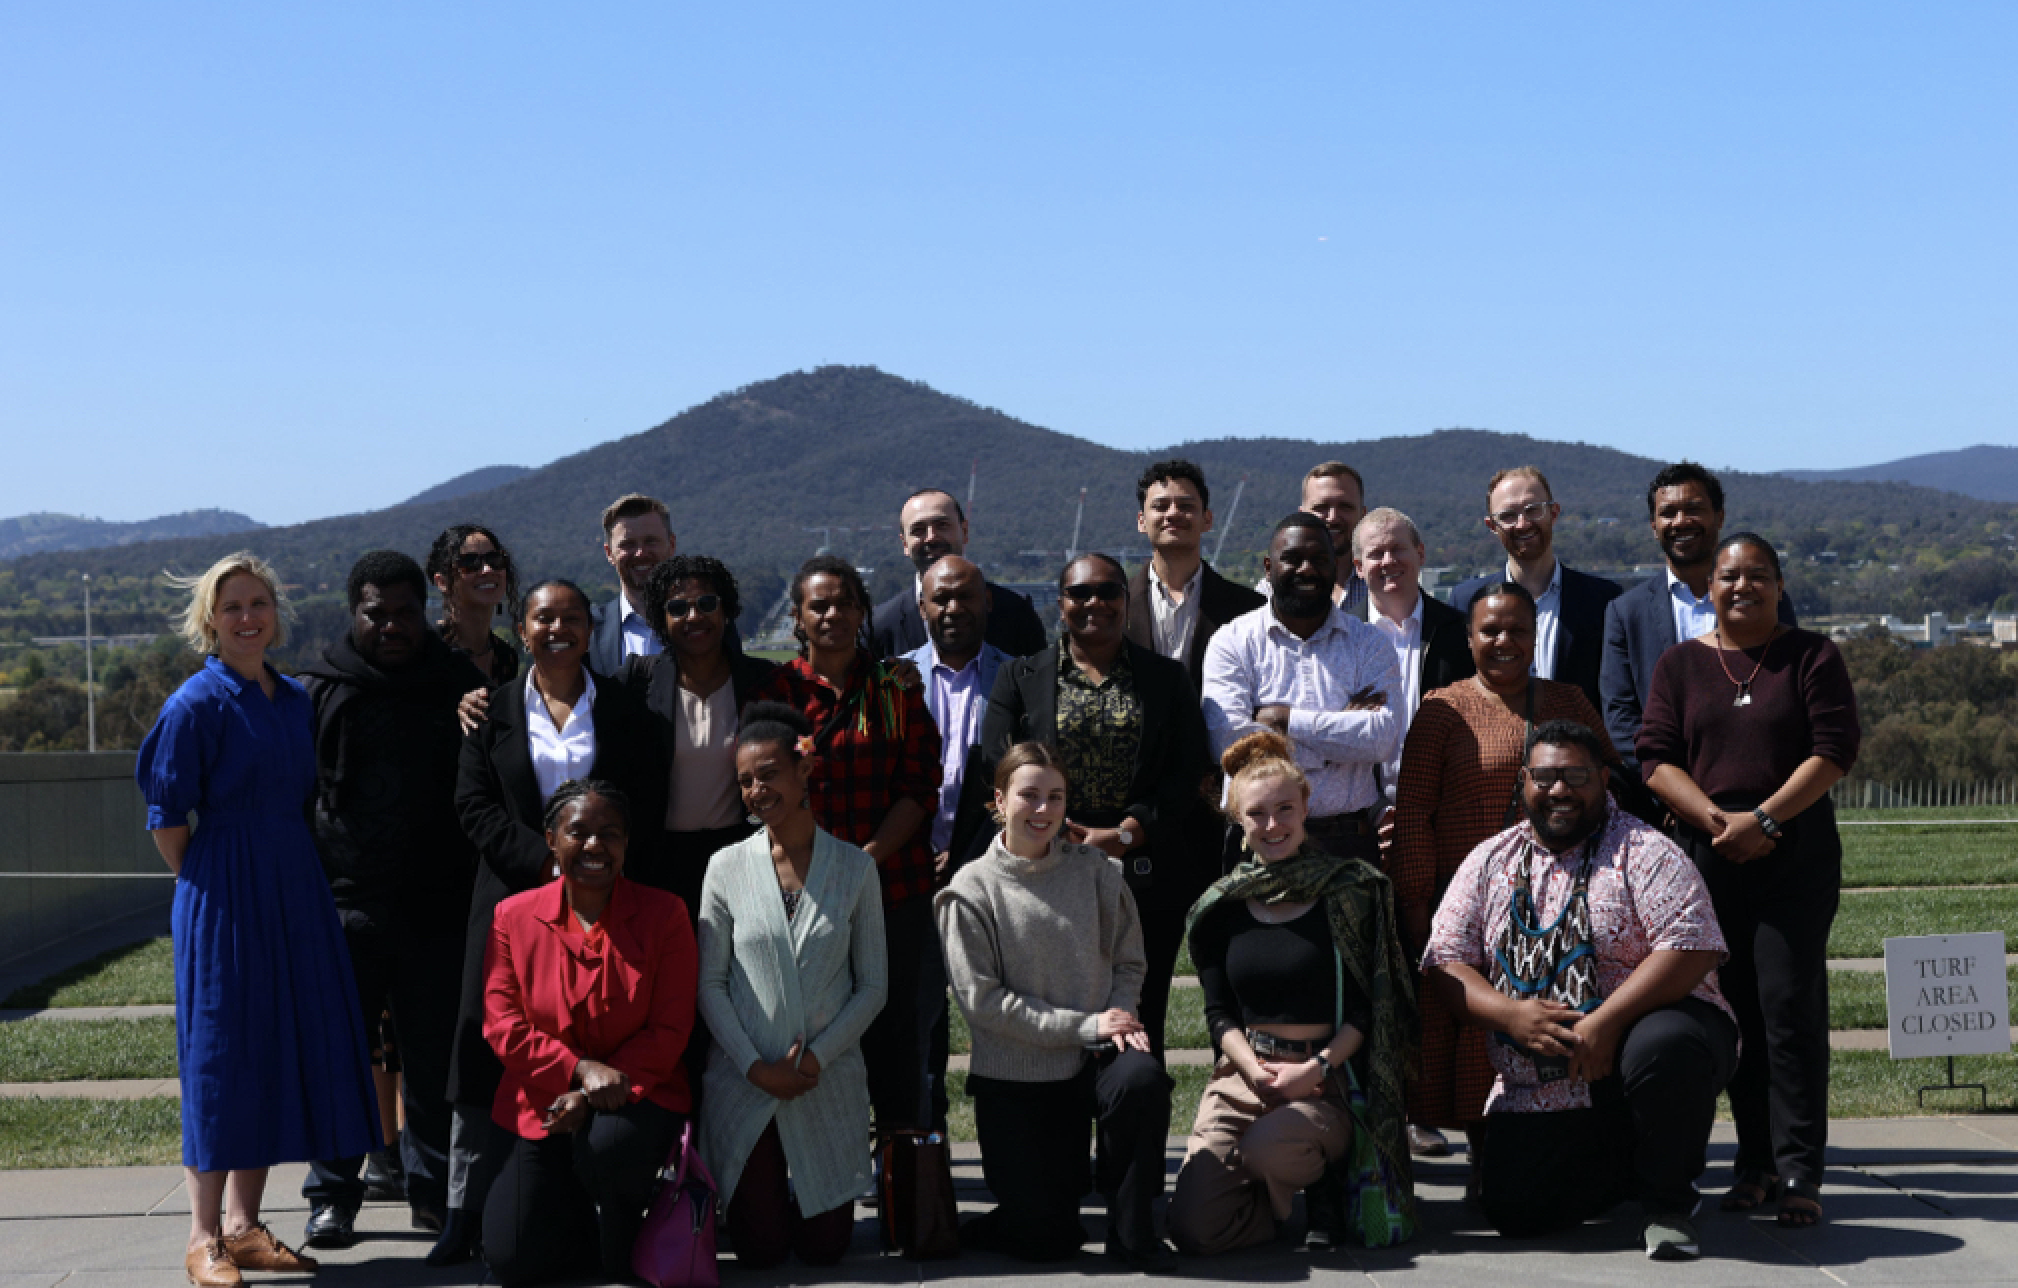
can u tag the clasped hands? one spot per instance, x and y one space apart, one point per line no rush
1587 1039
788 1077
1122 1029
596 1086
1738 837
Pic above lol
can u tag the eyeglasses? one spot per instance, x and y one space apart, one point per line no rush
1574 775
497 559
1088 591
677 608
1533 512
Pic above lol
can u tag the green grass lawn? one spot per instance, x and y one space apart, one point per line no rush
1871 1084
137 974
70 1050
90 1133
1866 920
1944 811
1930 856
1857 998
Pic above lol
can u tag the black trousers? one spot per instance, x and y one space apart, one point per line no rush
1162 904
1645 1138
568 1206
1776 913
904 1048
1033 1153
414 971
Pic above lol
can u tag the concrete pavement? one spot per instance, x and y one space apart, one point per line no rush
1924 1201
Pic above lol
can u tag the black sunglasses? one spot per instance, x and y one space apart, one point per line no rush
1088 591
676 608
497 559
1574 775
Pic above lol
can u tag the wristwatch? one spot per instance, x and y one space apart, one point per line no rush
1124 836
1766 824
1323 1064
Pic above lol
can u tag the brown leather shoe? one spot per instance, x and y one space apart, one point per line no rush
211 1266
257 1249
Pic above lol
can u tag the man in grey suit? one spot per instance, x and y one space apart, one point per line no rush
637 537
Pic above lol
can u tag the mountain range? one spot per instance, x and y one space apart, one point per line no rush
1985 472
763 475
29 533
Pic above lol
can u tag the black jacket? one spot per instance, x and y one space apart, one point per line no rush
1580 625
896 628
1446 646
499 801
1171 758
1219 602
387 750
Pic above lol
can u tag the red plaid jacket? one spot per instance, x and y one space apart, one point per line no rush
885 749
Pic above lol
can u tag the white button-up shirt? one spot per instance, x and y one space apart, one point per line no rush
1693 616
1406 637
639 638
1176 620
1548 616
566 752
1254 661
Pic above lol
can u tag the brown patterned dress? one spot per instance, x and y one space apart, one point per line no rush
1458 770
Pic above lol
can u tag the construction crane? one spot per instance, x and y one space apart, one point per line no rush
1227 526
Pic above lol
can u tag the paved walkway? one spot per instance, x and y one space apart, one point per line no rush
1921 1201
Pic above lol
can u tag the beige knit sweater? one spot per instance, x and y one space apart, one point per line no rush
1036 949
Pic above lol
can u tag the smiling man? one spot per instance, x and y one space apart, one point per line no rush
399 864
1428 635
932 525
958 665
637 537
1176 601
1685 509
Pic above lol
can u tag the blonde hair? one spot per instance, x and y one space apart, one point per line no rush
633 506
1336 470
198 623
1258 758
1385 517
1519 472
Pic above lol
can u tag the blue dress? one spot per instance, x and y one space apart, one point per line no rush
268 1029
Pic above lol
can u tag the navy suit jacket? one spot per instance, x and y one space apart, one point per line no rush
897 628
1580 624
1639 627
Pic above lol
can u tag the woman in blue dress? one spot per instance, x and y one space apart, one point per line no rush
268 1034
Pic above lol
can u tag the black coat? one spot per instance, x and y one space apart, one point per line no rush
1219 602
1446 644
896 628
1580 625
387 756
1171 758
499 801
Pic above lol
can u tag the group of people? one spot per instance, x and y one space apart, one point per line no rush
1550 865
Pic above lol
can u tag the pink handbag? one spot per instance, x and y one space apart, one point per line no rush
676 1245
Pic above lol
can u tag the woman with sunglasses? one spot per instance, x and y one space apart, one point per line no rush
694 690
1459 785
474 574
1126 724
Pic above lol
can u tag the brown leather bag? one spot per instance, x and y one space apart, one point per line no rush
914 1193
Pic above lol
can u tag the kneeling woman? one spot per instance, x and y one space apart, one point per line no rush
793 969
1044 950
588 1000
1308 1001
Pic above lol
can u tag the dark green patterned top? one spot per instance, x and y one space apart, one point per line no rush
1099 733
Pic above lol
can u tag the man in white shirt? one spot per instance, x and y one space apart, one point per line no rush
1326 681
1429 636
637 537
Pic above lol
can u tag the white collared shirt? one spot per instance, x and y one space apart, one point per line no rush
1175 620
1693 616
1254 661
1548 615
1406 636
566 752
640 640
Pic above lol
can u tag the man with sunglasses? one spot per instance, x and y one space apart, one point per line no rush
1585 940
1521 514
1324 679
637 537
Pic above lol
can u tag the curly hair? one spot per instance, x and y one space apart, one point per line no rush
1259 757
441 559
768 723
712 573
383 569
827 566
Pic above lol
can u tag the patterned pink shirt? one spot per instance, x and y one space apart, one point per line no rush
1645 897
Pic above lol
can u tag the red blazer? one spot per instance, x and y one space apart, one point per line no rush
552 998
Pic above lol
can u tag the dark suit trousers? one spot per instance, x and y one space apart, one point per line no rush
416 973
564 1206
1776 913
905 1046
1033 1153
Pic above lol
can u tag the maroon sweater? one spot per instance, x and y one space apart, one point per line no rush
1802 705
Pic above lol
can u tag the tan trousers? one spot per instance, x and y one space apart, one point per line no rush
1244 1164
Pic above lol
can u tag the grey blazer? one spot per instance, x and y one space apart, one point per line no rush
765 983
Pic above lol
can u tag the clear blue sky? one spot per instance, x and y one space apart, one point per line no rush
299 260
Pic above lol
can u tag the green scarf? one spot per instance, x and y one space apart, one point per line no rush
1359 904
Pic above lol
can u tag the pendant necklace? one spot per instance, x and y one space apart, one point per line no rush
1744 698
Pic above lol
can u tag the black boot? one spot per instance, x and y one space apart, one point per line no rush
384 1176
459 1237
1324 1202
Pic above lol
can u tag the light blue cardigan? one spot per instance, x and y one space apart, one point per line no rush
765 983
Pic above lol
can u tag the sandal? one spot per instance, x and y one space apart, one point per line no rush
1750 1191
1800 1205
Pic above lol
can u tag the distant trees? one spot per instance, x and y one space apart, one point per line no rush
1942 713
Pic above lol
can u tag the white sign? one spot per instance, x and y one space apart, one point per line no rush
1947 995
